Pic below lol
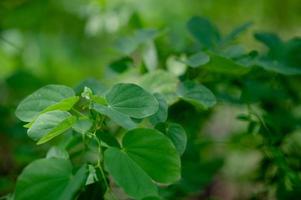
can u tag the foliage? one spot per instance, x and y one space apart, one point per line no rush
142 128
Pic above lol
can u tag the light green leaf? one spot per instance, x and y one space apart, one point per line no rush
162 82
50 125
154 153
63 105
57 152
128 175
128 45
50 97
117 117
197 60
48 179
223 65
237 31
161 114
132 100
150 57
196 94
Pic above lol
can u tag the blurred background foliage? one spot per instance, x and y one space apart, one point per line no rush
66 41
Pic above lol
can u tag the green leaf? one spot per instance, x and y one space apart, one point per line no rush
197 60
154 153
82 126
127 174
50 97
150 56
50 125
176 134
278 67
128 45
107 138
223 65
162 113
152 198
48 179
117 117
196 94
203 31
97 87
237 31
132 100
57 152
165 85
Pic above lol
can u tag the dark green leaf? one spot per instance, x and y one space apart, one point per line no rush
196 94
176 134
128 175
49 179
117 117
154 153
161 114
203 31
132 100
223 65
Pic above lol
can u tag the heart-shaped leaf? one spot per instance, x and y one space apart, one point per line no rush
162 113
154 152
48 179
132 100
162 82
146 155
117 117
196 94
127 174
47 98
176 133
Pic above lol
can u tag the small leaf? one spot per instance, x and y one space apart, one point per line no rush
117 117
162 82
223 65
97 87
278 67
107 138
161 114
128 45
154 153
57 152
150 57
121 65
176 134
48 179
132 100
197 60
50 125
203 31
127 174
82 126
237 31
47 98
196 94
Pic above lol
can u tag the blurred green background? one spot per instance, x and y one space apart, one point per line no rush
66 41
